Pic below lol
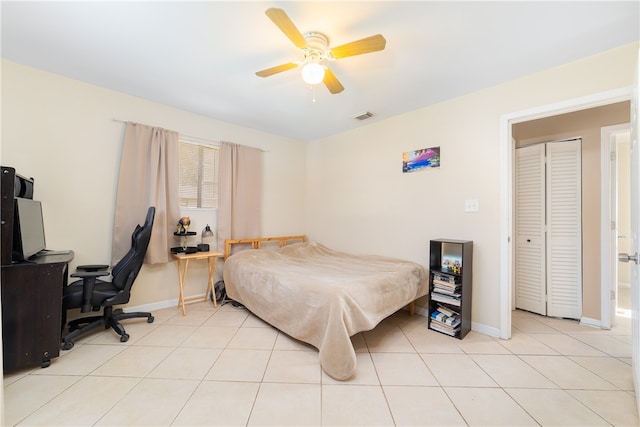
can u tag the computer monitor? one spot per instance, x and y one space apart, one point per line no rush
28 229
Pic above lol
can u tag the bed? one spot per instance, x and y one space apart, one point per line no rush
320 296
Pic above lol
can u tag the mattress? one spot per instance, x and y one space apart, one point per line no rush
323 297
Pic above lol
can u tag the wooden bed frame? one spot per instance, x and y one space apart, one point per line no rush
283 241
257 242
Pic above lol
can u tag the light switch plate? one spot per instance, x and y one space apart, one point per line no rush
471 205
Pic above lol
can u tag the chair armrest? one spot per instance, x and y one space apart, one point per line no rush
92 267
93 274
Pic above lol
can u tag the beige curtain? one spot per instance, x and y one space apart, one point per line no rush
148 177
239 192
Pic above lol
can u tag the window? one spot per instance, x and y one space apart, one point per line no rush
198 175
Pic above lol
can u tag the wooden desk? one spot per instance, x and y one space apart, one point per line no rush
32 310
210 256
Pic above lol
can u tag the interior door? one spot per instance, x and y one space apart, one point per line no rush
548 229
564 229
635 230
529 256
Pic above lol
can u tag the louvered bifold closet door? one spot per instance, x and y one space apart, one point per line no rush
564 229
529 229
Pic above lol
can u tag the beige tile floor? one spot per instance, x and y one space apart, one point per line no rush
226 367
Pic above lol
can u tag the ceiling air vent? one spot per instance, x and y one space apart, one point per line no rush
363 116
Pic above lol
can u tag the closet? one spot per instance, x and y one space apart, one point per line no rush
548 228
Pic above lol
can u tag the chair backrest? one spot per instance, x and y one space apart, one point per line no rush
126 270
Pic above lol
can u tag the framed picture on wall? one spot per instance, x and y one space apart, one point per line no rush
420 159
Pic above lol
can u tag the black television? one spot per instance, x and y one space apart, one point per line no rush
28 229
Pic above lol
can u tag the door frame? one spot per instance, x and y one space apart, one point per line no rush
507 153
608 209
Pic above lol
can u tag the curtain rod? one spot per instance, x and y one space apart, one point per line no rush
190 136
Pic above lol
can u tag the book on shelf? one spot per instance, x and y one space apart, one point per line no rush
452 322
441 328
435 296
446 310
447 290
446 327
445 278
446 284
451 260
445 314
439 316
456 295
446 320
452 263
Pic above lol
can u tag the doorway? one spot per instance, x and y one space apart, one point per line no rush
623 293
507 123
615 228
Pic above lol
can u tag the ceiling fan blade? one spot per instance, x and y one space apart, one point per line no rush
286 25
277 69
331 82
358 47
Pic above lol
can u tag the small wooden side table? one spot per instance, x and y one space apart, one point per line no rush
210 256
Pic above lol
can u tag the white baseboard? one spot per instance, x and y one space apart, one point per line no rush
420 310
153 306
484 329
171 303
594 323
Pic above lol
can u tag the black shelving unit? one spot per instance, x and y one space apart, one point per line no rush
450 278
184 248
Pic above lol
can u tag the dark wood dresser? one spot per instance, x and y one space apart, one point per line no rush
31 290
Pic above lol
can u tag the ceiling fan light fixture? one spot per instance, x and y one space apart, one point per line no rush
312 73
315 49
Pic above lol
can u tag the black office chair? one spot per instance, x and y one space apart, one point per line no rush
91 293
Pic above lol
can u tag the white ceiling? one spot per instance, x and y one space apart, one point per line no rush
202 56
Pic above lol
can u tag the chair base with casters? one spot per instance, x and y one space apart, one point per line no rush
109 319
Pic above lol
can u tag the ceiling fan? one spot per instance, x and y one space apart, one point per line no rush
316 51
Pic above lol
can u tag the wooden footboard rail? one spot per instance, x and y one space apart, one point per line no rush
257 242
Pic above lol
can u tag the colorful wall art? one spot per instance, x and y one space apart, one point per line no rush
420 159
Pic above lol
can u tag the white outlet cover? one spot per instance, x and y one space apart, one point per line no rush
471 205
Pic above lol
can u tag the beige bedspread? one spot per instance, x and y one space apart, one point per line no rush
321 296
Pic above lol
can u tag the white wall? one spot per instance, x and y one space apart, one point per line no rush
359 199
62 132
